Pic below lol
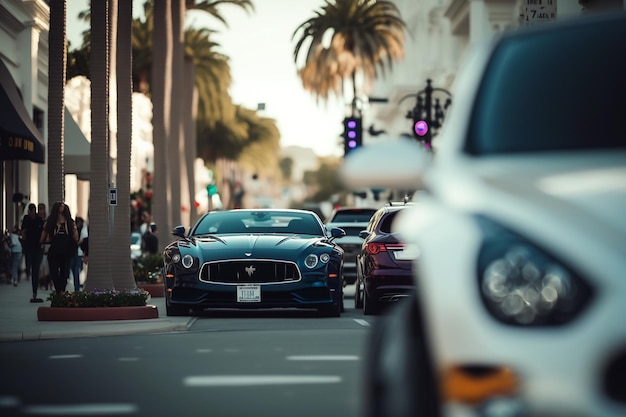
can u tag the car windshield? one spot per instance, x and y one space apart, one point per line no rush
352 216
259 221
135 238
530 108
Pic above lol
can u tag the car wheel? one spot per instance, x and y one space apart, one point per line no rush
399 377
370 306
343 307
171 310
358 298
331 310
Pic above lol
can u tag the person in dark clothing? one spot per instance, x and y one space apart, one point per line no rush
32 226
60 231
150 241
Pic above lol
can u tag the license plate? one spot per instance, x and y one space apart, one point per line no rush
248 293
404 255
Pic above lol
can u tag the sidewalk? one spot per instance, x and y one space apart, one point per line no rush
18 318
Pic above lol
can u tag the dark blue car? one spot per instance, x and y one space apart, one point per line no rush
258 258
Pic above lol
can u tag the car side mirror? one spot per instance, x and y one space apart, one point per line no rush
363 234
179 231
336 232
391 163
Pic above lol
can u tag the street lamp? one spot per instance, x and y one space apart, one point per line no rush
428 114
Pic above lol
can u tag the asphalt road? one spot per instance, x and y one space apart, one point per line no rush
230 363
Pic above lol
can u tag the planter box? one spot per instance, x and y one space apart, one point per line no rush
97 313
155 290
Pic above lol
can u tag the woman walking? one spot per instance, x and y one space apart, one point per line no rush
61 233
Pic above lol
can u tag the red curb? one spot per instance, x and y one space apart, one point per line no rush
97 313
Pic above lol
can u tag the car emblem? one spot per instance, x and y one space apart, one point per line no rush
248 253
250 270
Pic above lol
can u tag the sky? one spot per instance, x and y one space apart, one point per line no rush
260 49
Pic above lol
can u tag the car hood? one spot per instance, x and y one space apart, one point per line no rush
583 189
260 246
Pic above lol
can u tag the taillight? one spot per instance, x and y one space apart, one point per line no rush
374 248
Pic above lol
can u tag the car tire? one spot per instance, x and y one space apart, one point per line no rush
171 310
399 377
370 306
331 310
358 297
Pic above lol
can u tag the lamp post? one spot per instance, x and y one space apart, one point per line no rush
428 114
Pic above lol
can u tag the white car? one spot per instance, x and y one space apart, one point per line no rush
521 232
135 245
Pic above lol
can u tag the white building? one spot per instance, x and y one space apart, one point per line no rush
440 34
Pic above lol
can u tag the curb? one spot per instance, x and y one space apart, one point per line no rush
97 313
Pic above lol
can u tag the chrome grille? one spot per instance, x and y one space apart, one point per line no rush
250 271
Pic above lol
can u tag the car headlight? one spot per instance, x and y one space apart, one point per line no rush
324 258
311 261
521 284
187 261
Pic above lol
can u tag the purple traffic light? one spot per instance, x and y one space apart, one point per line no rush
352 144
421 128
351 124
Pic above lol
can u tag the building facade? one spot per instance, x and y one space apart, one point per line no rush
440 33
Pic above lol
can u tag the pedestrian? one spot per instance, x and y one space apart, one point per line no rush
76 264
44 272
146 219
150 241
32 226
16 254
61 233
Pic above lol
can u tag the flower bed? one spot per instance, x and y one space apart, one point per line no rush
98 305
99 298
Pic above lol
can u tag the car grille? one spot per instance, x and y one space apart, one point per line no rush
250 271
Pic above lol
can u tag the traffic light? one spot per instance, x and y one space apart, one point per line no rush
352 134
421 131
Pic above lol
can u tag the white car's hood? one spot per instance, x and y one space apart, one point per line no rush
585 189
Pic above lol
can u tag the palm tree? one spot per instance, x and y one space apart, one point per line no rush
365 36
176 145
99 272
161 106
56 101
121 269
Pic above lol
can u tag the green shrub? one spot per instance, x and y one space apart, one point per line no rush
100 298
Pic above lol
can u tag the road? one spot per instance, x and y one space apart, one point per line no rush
231 363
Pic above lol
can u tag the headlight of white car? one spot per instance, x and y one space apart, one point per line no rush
522 284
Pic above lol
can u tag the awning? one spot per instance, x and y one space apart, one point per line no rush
77 159
19 137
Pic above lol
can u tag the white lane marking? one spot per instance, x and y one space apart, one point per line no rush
250 380
128 359
323 358
72 356
80 409
203 350
362 322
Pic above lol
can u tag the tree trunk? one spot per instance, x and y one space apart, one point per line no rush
56 101
161 96
99 272
122 268
176 140
190 114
